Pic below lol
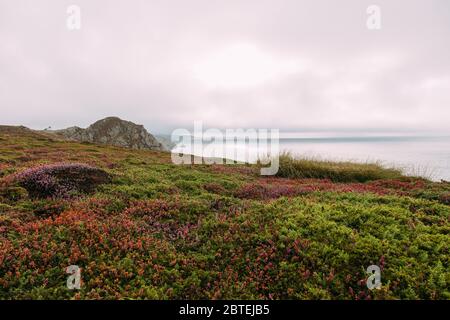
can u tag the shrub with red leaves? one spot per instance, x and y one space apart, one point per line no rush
267 192
150 208
398 185
252 191
214 188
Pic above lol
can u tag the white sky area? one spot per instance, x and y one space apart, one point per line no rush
287 64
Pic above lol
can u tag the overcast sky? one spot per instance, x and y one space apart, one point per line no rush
287 64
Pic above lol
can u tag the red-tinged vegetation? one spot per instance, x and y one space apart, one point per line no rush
273 188
214 188
161 231
234 169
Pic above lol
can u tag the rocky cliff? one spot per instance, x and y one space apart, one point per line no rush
114 131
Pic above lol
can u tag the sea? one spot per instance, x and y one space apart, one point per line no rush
418 155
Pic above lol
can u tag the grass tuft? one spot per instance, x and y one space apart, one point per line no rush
307 168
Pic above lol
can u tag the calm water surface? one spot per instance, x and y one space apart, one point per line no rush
427 156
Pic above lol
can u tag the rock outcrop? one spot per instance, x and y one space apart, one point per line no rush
114 131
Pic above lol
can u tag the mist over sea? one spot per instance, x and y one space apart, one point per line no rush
427 156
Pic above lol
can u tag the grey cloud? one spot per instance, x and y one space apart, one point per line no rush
136 59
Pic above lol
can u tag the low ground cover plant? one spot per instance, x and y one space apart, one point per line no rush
154 230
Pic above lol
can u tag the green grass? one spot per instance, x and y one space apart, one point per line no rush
304 168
